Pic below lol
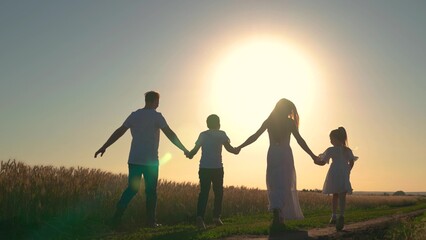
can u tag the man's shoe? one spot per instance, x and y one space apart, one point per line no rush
200 223
332 220
217 221
116 219
340 223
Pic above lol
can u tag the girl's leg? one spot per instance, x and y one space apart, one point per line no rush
342 203
334 204
334 209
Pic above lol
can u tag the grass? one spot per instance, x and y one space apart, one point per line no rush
45 202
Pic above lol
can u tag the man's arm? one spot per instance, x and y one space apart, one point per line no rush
114 137
174 139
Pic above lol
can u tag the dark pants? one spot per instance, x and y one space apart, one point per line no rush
150 175
207 177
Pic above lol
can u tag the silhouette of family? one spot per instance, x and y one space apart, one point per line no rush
145 125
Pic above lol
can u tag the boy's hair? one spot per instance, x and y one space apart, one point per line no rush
213 121
151 96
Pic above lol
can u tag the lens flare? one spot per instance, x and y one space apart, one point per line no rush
165 158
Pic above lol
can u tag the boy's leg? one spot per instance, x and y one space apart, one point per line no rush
217 180
203 196
150 175
135 173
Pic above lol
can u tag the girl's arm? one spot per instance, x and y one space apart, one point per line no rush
254 137
302 142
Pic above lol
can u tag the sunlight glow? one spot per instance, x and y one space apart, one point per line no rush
165 158
256 74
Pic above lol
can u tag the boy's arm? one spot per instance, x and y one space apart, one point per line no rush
194 151
231 149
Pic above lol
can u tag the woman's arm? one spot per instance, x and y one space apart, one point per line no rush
255 136
302 142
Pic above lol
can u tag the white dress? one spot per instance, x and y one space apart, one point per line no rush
281 182
337 180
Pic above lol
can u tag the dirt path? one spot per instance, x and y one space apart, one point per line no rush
350 231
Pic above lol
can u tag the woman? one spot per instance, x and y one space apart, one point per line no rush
280 174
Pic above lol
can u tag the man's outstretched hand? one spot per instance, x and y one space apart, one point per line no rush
100 151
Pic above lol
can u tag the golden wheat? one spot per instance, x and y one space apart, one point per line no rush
36 194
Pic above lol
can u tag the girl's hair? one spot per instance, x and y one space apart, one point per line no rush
283 110
340 135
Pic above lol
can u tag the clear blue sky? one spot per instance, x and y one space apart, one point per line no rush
72 71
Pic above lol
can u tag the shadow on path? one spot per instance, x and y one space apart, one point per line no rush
296 235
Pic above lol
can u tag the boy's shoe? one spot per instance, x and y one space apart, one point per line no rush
217 221
340 223
200 223
332 220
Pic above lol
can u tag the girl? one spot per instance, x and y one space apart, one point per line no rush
337 180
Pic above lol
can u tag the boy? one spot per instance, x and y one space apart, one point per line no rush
211 168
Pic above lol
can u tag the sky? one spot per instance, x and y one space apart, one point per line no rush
72 71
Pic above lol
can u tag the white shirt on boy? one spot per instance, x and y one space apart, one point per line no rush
211 142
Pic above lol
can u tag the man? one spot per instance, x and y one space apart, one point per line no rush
145 125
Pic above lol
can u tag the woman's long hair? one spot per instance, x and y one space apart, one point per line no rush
284 109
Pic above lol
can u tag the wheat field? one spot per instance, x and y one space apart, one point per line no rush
31 195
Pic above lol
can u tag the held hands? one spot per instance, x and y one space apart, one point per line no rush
237 150
317 160
189 155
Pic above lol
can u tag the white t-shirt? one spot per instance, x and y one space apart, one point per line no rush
211 142
145 125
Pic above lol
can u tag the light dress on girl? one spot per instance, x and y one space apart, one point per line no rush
281 182
337 180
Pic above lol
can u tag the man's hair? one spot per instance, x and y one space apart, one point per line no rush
151 96
213 121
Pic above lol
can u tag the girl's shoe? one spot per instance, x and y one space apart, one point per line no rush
340 223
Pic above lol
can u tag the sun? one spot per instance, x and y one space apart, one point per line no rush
254 75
